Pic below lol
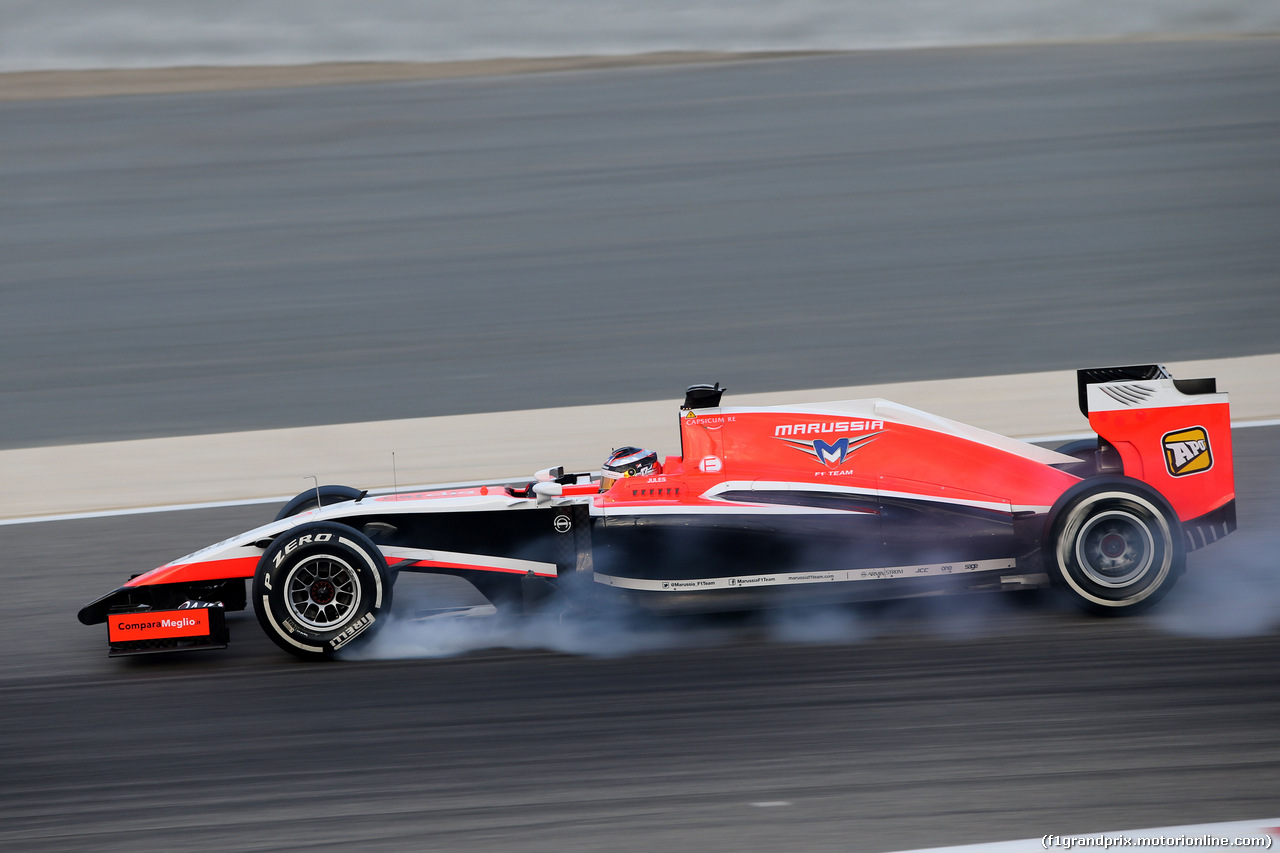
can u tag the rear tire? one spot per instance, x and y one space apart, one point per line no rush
319 587
1116 548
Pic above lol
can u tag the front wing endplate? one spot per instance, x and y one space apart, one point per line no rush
151 631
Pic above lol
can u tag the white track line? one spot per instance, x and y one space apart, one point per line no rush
1236 836
145 510
257 465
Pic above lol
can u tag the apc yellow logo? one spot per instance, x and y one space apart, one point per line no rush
1186 451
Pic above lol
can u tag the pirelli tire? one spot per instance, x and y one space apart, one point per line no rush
1115 546
321 588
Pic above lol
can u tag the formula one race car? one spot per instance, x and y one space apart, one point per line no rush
850 500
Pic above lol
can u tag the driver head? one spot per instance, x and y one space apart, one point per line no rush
627 462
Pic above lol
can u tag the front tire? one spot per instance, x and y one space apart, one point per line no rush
1116 548
319 587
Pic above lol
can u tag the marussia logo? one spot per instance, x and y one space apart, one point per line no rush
1186 451
826 427
831 453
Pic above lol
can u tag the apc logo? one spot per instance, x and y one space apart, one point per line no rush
1186 451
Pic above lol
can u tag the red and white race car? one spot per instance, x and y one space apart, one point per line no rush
847 500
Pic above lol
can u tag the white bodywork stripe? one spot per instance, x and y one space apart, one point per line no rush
998 506
919 570
477 561
402 503
895 413
764 485
1149 394
730 508
782 486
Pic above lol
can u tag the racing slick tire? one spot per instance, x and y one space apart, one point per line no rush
1115 547
308 500
319 587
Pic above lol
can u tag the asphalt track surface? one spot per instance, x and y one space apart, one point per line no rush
180 264
958 721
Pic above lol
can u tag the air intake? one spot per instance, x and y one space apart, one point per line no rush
703 396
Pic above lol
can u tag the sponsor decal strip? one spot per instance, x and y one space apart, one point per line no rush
163 625
475 562
788 578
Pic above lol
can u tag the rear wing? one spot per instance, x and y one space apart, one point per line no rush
1173 434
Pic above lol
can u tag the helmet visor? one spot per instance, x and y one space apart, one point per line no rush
608 478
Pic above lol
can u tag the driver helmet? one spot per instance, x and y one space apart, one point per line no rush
627 462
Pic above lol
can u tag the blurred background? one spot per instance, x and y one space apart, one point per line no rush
899 191
59 34
180 265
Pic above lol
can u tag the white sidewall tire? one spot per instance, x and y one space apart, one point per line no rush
321 588
1126 516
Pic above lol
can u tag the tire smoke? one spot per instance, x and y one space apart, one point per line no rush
424 626
1231 589
440 617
